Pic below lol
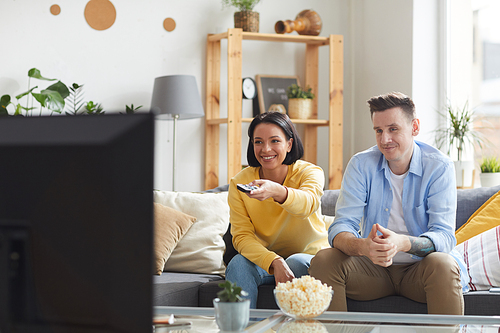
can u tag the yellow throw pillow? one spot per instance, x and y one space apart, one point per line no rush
485 218
170 226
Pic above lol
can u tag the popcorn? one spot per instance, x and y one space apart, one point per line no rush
305 297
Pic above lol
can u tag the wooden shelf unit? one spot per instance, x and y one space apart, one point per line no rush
234 118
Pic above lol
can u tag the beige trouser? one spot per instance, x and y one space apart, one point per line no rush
434 280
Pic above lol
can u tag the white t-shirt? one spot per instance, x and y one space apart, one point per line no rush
396 219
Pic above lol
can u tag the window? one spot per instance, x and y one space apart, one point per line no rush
486 74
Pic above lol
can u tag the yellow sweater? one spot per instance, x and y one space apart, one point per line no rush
265 230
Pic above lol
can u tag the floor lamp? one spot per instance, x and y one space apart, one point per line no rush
176 97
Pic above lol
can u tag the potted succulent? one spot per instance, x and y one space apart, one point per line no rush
245 18
300 102
490 171
458 135
232 312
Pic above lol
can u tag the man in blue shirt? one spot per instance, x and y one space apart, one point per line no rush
394 228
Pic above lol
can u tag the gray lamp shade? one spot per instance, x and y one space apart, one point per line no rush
176 95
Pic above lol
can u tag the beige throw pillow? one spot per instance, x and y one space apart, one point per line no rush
170 226
202 248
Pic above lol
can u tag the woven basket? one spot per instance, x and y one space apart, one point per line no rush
300 108
247 20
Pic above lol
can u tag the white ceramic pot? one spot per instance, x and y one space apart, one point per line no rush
232 316
464 171
490 179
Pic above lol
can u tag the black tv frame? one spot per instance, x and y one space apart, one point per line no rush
76 223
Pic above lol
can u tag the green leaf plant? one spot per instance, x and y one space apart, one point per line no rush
131 109
490 164
459 130
242 5
75 99
294 91
93 108
50 98
230 292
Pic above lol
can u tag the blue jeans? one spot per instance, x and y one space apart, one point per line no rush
249 276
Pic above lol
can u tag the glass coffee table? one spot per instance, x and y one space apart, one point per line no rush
201 320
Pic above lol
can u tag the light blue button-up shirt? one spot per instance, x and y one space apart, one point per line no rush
429 199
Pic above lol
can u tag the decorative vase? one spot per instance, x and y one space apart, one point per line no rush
464 172
247 20
490 179
277 108
307 22
232 316
300 108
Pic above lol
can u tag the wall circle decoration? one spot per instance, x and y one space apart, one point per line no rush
169 24
55 9
100 14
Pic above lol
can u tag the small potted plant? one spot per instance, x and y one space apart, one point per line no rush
300 102
245 18
490 171
457 135
232 311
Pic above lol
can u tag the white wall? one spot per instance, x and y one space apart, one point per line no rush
397 46
118 65
382 38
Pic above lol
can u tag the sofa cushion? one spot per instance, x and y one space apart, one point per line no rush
202 247
170 226
179 289
482 303
469 200
482 257
485 218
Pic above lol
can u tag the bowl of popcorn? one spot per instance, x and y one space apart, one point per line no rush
303 298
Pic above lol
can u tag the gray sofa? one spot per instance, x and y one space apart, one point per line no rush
184 289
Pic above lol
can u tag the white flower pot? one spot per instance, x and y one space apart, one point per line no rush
490 179
464 171
232 316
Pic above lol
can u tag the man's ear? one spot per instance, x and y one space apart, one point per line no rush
415 127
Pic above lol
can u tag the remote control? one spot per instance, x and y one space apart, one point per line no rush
246 188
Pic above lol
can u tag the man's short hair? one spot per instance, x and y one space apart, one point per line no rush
391 100
281 120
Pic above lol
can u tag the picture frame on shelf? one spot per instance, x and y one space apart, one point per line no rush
271 89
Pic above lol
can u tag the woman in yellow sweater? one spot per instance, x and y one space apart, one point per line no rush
277 228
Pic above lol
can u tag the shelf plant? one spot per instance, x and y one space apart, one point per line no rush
299 102
242 5
245 18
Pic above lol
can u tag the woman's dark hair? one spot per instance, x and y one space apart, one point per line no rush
282 121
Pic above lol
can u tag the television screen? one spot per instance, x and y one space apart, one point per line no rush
76 223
